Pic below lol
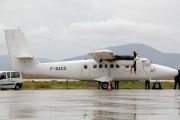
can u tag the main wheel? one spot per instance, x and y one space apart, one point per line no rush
104 85
17 87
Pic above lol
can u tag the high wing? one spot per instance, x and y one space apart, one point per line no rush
108 55
100 55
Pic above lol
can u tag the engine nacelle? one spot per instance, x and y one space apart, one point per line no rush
125 62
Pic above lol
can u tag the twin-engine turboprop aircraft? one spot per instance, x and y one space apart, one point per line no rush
104 67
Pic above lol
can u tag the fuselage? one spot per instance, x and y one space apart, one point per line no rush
91 70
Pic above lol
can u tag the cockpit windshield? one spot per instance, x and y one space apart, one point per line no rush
146 63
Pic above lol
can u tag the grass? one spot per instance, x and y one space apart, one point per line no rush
41 85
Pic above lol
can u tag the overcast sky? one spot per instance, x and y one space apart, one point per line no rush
59 29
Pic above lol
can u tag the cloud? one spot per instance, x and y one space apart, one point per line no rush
129 30
92 24
2 27
101 34
115 31
41 31
3 48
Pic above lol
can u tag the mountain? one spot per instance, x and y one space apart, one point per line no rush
144 51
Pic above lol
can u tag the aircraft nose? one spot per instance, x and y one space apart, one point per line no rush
170 71
162 71
174 72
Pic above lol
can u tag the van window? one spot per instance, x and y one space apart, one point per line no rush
8 74
15 75
3 75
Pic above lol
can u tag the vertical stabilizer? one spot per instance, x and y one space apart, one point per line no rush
21 56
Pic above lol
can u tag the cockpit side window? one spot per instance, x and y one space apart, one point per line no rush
146 63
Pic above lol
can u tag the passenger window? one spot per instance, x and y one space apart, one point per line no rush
100 65
112 66
3 75
94 66
105 65
8 74
85 66
15 75
117 66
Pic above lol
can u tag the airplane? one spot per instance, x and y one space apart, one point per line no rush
104 68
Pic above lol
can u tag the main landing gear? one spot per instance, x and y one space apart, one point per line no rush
104 85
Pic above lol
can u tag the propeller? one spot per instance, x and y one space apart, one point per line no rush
135 58
136 55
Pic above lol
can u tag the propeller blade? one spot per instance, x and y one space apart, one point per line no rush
135 56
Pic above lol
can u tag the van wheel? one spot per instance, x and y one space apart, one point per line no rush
17 87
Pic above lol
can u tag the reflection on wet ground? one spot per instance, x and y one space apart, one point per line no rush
90 104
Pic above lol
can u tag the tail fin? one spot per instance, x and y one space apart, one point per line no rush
21 56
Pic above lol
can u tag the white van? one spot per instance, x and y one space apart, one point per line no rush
10 80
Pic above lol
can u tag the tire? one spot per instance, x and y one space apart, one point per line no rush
3 89
157 85
104 85
17 87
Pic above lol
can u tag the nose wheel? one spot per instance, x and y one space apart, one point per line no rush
156 85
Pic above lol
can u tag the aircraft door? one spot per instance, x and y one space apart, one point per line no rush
85 71
146 66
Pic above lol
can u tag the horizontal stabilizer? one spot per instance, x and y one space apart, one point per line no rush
24 57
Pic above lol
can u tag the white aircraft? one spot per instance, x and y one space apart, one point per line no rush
105 67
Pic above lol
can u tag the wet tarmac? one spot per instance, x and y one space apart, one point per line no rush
90 105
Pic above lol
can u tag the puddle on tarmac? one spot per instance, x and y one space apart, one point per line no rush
90 104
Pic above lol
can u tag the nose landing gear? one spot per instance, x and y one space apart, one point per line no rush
157 85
